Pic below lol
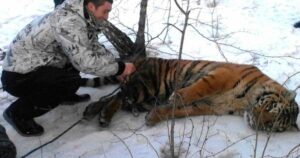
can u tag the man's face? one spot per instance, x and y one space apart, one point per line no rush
102 11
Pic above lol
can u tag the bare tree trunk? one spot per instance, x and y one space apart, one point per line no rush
140 49
128 50
119 40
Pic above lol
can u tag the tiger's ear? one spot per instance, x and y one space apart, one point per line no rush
290 95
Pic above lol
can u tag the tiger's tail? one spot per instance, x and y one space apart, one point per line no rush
99 81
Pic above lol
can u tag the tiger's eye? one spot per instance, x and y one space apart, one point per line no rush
268 108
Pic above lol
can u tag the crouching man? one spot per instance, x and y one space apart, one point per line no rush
43 62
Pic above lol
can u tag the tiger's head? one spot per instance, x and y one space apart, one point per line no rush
273 112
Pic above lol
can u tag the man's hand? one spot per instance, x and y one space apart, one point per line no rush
129 69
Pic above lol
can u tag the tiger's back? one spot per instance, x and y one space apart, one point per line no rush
196 79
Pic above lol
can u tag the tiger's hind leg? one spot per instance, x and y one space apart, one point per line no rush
217 81
161 113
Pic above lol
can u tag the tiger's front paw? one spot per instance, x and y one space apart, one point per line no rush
103 121
152 118
92 110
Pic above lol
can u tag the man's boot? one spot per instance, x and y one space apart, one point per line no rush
25 127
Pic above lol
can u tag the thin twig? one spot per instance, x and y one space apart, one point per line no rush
202 129
267 142
191 136
297 88
293 149
289 77
168 20
123 142
204 142
150 144
232 144
186 14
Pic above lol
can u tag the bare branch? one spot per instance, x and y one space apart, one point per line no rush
123 142
178 29
290 77
297 88
293 149
186 155
179 7
232 144
149 142
267 142
204 142
168 20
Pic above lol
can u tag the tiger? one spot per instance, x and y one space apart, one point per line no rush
181 88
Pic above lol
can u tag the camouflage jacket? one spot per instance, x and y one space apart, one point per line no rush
66 35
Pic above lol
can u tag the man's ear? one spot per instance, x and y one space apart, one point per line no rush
91 7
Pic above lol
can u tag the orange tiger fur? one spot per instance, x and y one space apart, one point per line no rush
203 88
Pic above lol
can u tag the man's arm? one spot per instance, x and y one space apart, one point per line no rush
85 52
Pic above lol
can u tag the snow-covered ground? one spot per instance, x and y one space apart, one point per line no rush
256 32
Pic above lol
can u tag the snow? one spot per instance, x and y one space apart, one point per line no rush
262 28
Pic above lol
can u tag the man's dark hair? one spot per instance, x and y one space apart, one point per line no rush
97 3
